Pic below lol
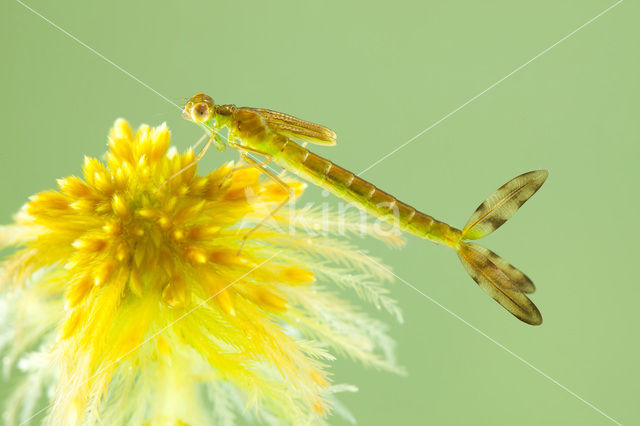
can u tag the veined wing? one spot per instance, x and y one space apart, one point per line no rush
502 204
296 128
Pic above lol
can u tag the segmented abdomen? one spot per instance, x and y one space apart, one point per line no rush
361 193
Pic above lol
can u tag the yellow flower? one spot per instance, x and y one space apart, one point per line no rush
126 296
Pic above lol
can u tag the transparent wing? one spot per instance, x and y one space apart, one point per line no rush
296 128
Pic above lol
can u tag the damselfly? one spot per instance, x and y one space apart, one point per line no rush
276 137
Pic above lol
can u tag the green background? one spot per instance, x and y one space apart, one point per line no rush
378 73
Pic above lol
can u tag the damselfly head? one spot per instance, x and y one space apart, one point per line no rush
199 109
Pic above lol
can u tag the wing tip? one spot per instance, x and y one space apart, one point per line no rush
536 319
540 175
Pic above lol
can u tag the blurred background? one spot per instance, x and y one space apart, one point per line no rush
379 74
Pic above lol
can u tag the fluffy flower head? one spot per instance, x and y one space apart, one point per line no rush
130 281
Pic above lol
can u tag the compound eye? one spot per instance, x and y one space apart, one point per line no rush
200 112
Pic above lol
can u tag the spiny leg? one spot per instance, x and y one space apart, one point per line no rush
290 195
254 164
246 149
198 157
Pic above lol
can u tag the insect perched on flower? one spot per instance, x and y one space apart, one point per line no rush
126 302
274 137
